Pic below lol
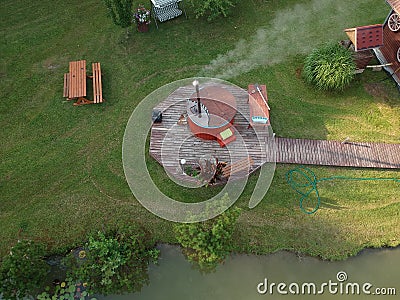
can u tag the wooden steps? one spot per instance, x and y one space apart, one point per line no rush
238 166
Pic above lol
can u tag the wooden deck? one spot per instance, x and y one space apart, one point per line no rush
170 142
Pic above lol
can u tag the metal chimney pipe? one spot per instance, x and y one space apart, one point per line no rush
196 85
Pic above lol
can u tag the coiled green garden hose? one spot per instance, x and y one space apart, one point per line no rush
309 185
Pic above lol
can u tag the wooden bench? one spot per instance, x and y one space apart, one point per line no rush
240 165
66 85
97 88
258 104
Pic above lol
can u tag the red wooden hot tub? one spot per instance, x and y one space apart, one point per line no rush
217 112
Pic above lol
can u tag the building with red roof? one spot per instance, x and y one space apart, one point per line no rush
382 39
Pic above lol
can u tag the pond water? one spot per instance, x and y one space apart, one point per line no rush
245 277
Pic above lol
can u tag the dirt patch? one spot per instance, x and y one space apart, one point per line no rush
384 91
299 72
378 90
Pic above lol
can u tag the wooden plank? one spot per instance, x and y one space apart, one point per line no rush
79 83
82 74
97 85
72 81
66 85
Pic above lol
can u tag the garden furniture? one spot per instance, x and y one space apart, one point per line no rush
258 104
164 10
75 83
75 80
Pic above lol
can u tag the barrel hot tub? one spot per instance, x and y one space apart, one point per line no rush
218 109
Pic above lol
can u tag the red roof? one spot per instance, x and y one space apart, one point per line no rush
395 4
366 37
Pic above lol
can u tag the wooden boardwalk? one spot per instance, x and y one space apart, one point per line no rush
333 153
170 142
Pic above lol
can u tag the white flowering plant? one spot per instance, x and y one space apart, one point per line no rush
142 15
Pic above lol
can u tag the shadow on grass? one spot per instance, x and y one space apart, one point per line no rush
331 204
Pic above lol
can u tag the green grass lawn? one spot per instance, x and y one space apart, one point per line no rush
61 172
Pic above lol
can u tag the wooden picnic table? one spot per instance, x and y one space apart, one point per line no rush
75 83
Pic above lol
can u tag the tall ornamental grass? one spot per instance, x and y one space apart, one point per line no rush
330 67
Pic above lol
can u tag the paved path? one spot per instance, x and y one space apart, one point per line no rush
333 153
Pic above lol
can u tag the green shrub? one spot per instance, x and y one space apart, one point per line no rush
115 261
330 67
120 12
23 270
207 243
212 8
